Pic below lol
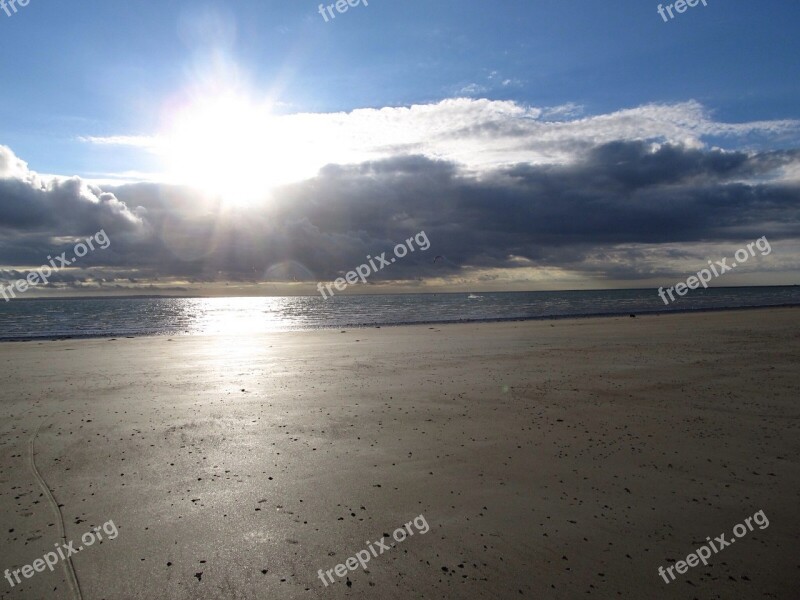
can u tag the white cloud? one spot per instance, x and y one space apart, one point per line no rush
473 88
478 134
138 141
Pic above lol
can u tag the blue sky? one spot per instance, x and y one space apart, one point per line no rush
106 68
540 144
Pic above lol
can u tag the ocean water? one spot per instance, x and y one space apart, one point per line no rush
90 317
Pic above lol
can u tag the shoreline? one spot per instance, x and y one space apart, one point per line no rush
615 315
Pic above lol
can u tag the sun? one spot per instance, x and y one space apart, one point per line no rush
226 145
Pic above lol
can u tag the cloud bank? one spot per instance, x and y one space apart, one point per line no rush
514 197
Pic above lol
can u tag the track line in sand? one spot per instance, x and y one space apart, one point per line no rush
69 568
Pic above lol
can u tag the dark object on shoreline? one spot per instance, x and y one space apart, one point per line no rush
633 316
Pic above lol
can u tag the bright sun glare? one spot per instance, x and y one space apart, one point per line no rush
227 146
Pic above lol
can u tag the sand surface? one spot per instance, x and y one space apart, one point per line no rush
560 459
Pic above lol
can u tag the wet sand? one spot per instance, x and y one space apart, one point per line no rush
551 459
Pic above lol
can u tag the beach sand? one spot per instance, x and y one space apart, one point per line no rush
551 459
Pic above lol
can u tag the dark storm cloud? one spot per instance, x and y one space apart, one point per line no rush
40 217
69 206
595 214
619 193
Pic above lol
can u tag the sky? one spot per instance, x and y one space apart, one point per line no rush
258 147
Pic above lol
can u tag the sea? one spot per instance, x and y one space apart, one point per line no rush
65 318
